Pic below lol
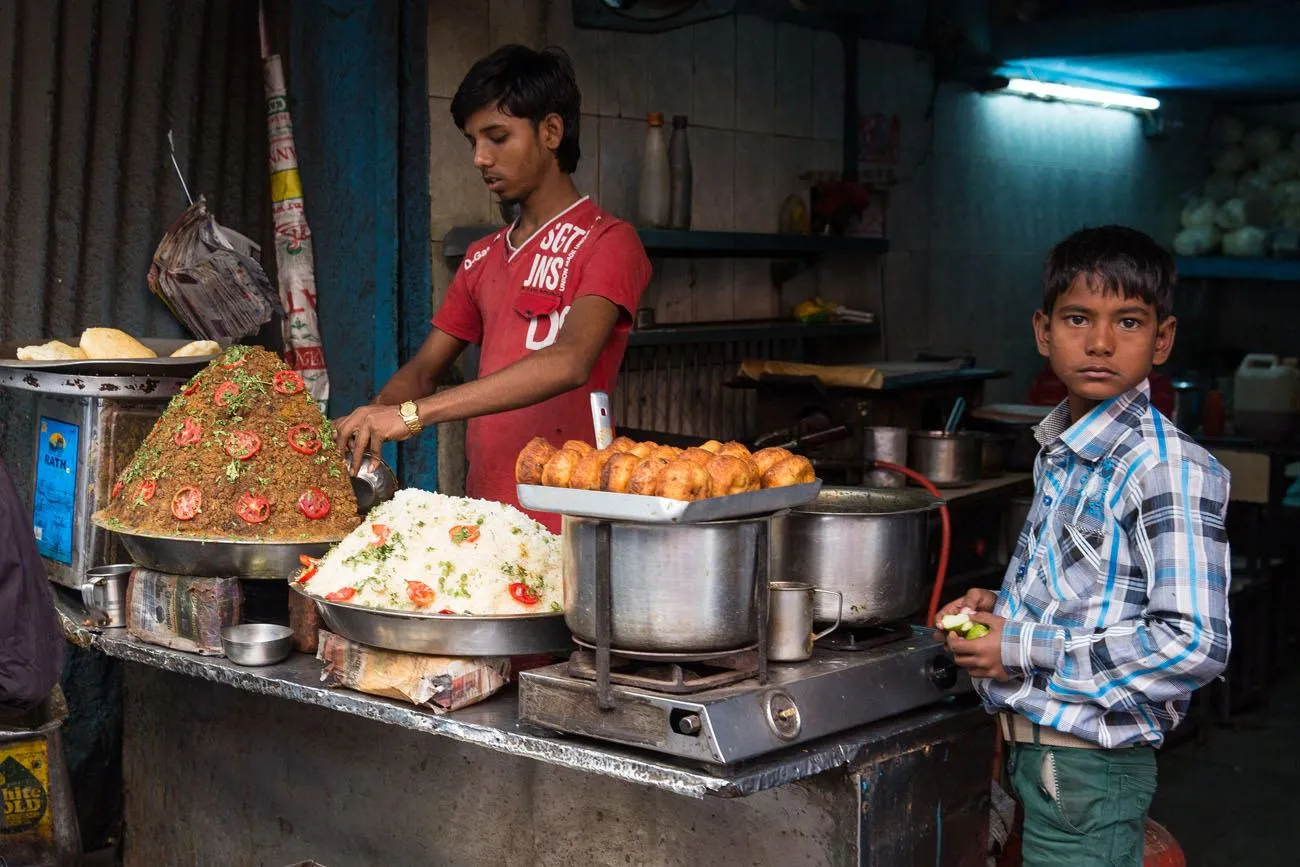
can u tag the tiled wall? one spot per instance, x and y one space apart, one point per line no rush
765 106
991 182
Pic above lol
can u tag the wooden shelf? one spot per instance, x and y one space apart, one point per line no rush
693 244
1225 268
753 329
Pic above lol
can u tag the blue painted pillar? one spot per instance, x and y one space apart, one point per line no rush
358 94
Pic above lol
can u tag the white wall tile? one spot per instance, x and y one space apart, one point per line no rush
583 48
623 74
791 159
713 84
587 177
712 282
517 21
621 146
713 160
669 73
756 204
456 40
755 74
457 195
792 98
827 86
755 296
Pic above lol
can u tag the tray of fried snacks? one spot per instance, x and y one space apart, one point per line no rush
644 481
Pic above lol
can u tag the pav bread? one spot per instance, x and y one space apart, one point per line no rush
55 350
112 343
197 349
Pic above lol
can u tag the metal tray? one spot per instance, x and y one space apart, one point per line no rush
218 558
162 366
444 634
662 510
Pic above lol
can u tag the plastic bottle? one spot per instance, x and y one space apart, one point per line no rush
654 205
679 172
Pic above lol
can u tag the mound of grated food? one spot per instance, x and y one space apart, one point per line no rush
437 554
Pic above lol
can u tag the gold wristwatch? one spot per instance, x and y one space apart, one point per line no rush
409 415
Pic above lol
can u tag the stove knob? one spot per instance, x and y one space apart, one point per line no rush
942 671
783 716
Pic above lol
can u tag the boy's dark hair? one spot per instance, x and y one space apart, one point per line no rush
1124 260
527 84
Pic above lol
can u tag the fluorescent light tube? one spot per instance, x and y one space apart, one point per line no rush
1089 95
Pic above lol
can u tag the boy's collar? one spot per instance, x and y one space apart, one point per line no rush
1093 436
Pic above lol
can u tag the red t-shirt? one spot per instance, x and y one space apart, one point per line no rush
513 302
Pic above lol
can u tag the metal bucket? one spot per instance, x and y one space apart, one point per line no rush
674 588
870 544
38 827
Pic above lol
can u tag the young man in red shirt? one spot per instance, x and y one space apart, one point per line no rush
549 299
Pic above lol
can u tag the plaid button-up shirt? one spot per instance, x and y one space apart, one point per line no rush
1117 595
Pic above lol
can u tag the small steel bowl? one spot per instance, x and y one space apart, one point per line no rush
374 483
256 643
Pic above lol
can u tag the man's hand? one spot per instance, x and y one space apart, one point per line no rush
975 599
982 657
366 429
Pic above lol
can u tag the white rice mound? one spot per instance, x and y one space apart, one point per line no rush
470 577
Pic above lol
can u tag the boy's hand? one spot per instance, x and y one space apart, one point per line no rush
981 657
975 599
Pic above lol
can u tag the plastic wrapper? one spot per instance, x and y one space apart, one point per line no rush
182 613
1280 166
306 623
1231 160
1198 213
1262 141
1220 187
1199 241
1248 241
440 683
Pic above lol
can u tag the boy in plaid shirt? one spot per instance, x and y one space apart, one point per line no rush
1114 608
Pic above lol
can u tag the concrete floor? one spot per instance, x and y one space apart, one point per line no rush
1231 794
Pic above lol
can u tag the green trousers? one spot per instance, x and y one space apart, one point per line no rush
1083 808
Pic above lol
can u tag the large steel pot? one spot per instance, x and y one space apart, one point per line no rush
870 544
674 588
947 459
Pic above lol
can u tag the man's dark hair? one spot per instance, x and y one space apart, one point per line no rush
527 84
1123 260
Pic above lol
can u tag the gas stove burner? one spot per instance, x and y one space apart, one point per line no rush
643 656
671 678
855 639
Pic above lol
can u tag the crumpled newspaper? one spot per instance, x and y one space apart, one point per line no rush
440 683
211 280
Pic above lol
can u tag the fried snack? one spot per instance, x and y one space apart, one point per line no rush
730 475
579 446
712 446
668 453
113 343
616 475
697 456
645 479
794 470
559 469
532 460
586 475
766 458
683 480
622 444
643 450
735 450
198 349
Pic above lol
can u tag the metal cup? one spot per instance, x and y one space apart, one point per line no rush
104 593
885 444
790 633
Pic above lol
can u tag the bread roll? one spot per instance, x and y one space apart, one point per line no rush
112 343
198 348
55 350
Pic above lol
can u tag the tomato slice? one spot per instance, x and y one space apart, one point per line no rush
287 382
520 592
253 508
243 444
221 397
147 489
187 503
343 594
446 611
314 504
304 439
420 593
306 574
308 561
117 489
462 533
190 433
191 387
382 532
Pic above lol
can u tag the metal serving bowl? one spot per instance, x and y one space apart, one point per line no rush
256 643
218 558
374 483
444 634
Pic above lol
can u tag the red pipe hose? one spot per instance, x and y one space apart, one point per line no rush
945 536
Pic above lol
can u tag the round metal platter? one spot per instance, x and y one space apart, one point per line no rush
163 365
218 558
444 634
